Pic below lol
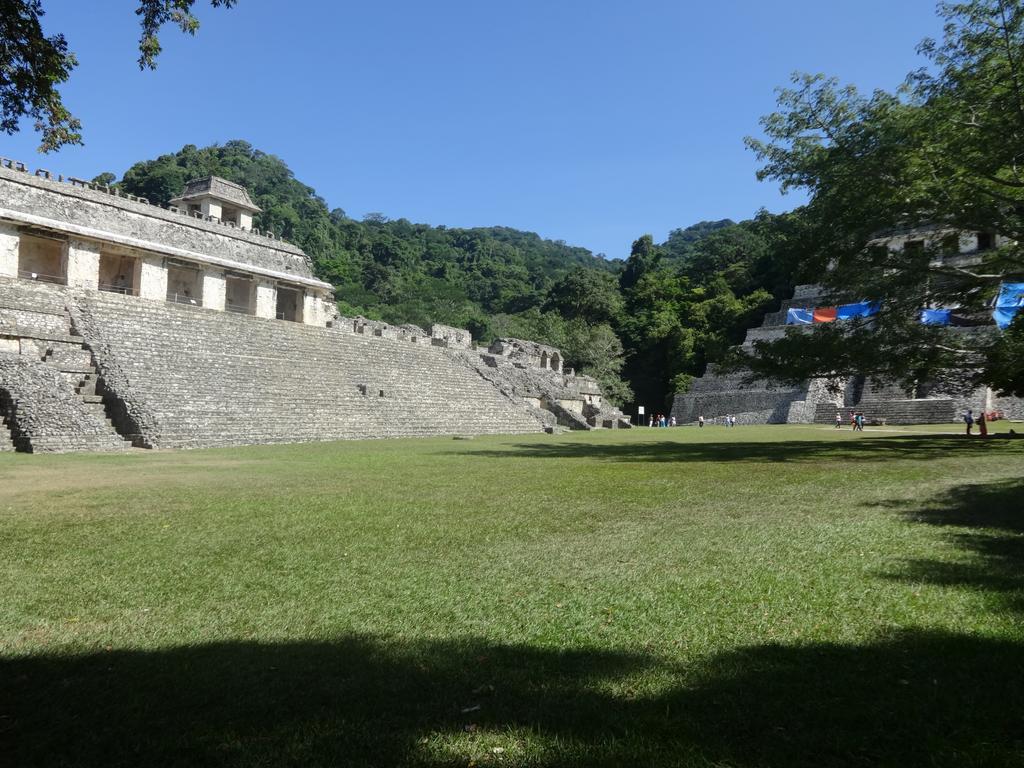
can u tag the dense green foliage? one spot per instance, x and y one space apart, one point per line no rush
673 306
659 598
944 150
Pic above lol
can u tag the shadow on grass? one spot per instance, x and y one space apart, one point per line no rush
857 448
916 698
986 522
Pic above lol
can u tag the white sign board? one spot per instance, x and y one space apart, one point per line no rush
640 410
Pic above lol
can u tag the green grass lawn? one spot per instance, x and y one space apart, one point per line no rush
761 596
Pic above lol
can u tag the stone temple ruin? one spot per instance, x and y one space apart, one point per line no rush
124 323
818 400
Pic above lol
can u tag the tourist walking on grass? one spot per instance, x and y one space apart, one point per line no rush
969 420
839 420
700 421
853 420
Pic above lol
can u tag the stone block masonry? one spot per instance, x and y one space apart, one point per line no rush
193 378
82 207
42 412
82 236
182 376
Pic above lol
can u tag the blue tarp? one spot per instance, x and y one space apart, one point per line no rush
935 316
1011 299
860 309
799 316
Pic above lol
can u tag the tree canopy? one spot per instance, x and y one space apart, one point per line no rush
942 151
33 66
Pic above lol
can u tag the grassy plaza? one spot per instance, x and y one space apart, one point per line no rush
758 596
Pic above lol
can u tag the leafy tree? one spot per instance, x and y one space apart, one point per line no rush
681 241
106 178
32 65
1004 370
586 294
644 257
941 151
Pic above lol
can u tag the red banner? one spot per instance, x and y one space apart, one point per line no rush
824 314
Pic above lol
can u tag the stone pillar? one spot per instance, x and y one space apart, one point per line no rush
153 278
82 264
215 290
9 240
266 299
313 309
211 208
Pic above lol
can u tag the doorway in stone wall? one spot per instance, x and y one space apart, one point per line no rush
184 285
119 273
289 304
240 295
41 259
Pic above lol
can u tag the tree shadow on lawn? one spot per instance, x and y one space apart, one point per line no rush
986 521
912 699
860 448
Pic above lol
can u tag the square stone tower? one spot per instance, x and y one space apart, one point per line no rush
222 199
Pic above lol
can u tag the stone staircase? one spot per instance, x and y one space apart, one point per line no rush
6 423
904 411
185 377
47 376
716 394
43 413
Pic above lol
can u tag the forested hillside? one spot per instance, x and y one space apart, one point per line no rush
643 327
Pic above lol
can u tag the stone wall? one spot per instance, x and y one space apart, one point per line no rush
190 377
25 195
43 413
180 376
556 397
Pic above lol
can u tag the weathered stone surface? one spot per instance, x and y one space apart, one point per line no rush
42 413
80 206
456 338
194 378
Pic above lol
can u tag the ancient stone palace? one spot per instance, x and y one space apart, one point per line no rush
124 323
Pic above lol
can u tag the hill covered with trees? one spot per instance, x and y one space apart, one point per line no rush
643 327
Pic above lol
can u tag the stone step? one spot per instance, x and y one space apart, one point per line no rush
894 411
209 378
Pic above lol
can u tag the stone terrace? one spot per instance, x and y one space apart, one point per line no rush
189 377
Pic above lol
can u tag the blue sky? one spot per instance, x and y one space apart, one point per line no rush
588 121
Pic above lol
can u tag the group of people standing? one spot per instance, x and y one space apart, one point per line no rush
856 420
661 421
982 422
728 420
